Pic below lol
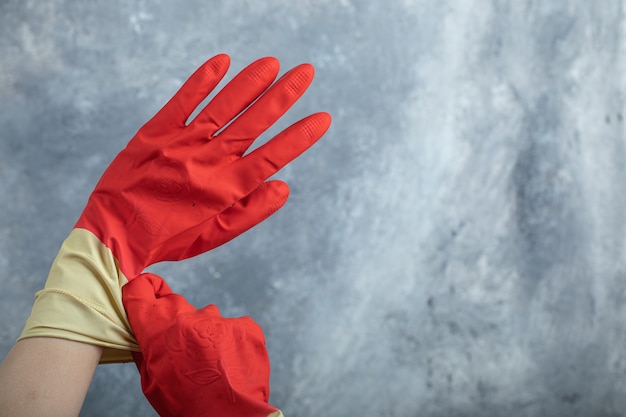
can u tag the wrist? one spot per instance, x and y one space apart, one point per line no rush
82 299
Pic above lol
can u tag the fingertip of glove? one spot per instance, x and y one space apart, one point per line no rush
283 190
325 118
263 70
307 68
299 79
316 125
146 285
272 62
211 310
277 192
279 187
221 57
217 65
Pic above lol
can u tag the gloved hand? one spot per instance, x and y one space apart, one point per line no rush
177 190
196 362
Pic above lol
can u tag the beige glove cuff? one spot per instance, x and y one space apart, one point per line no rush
82 300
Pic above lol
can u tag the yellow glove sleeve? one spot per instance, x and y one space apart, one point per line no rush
82 300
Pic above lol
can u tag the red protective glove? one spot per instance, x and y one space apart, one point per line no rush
196 363
175 191
179 190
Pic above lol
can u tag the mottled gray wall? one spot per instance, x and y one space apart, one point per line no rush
453 247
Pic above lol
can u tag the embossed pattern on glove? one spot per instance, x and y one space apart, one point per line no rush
194 362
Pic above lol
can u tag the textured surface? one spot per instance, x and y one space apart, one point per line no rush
453 247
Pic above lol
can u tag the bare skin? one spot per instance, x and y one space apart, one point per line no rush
46 377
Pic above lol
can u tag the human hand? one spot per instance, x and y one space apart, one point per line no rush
194 362
179 190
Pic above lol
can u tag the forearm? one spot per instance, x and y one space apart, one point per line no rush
46 377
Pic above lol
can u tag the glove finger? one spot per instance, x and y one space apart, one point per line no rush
178 109
252 328
268 159
150 305
238 94
242 132
246 213
146 287
210 310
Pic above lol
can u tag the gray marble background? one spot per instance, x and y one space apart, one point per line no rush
453 247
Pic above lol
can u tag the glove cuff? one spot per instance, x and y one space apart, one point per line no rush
82 300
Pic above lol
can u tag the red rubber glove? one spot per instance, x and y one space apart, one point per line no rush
196 363
175 191
179 190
